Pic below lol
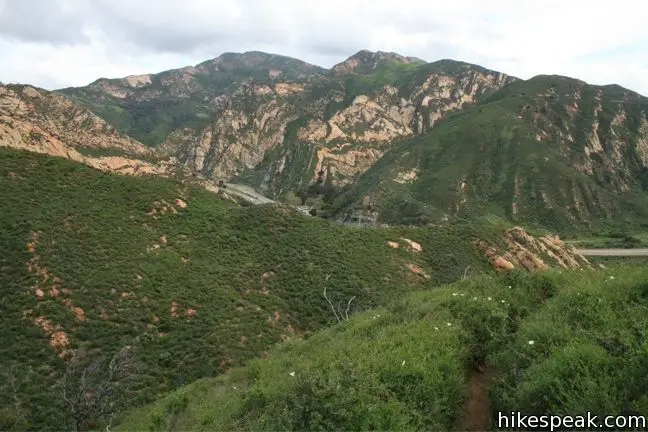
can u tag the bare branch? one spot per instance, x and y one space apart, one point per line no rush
339 309
331 304
94 390
348 307
109 424
465 273
14 378
338 313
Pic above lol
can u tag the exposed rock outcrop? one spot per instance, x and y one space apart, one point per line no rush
236 140
45 122
243 105
532 254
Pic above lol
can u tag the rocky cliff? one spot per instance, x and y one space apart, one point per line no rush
280 123
551 150
422 142
532 254
45 122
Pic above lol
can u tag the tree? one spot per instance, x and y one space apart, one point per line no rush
329 190
94 389
366 203
316 202
292 199
14 414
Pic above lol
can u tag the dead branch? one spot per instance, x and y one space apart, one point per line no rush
331 304
338 313
465 273
346 314
96 389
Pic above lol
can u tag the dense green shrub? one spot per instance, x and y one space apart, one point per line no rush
551 342
199 290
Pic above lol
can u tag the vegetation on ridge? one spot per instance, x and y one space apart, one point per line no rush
528 153
549 341
195 285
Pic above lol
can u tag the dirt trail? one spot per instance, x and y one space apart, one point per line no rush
476 413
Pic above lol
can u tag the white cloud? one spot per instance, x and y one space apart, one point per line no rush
73 42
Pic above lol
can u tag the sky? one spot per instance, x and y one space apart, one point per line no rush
60 43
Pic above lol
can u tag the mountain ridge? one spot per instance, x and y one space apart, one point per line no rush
451 159
582 149
196 284
308 135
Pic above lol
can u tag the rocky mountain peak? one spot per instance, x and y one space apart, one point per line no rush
365 60
258 60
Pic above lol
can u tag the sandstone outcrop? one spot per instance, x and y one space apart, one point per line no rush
532 254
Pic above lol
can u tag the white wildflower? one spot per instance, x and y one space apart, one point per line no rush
449 324
531 342
292 374
403 364
489 299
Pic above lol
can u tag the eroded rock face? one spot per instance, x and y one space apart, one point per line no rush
30 110
368 126
343 164
602 129
441 93
236 140
365 120
367 60
532 254
248 100
45 122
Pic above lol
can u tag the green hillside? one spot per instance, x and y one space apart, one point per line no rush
550 151
547 344
191 284
181 97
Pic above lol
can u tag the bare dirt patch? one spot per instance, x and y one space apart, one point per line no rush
476 412
417 270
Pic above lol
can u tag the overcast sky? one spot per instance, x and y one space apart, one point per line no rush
59 43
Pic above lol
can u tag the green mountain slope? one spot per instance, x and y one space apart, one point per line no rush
550 151
94 262
366 62
365 111
149 107
278 123
415 142
544 344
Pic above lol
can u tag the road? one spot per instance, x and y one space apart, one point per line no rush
614 252
247 193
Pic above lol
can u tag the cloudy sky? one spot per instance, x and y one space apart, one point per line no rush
59 43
